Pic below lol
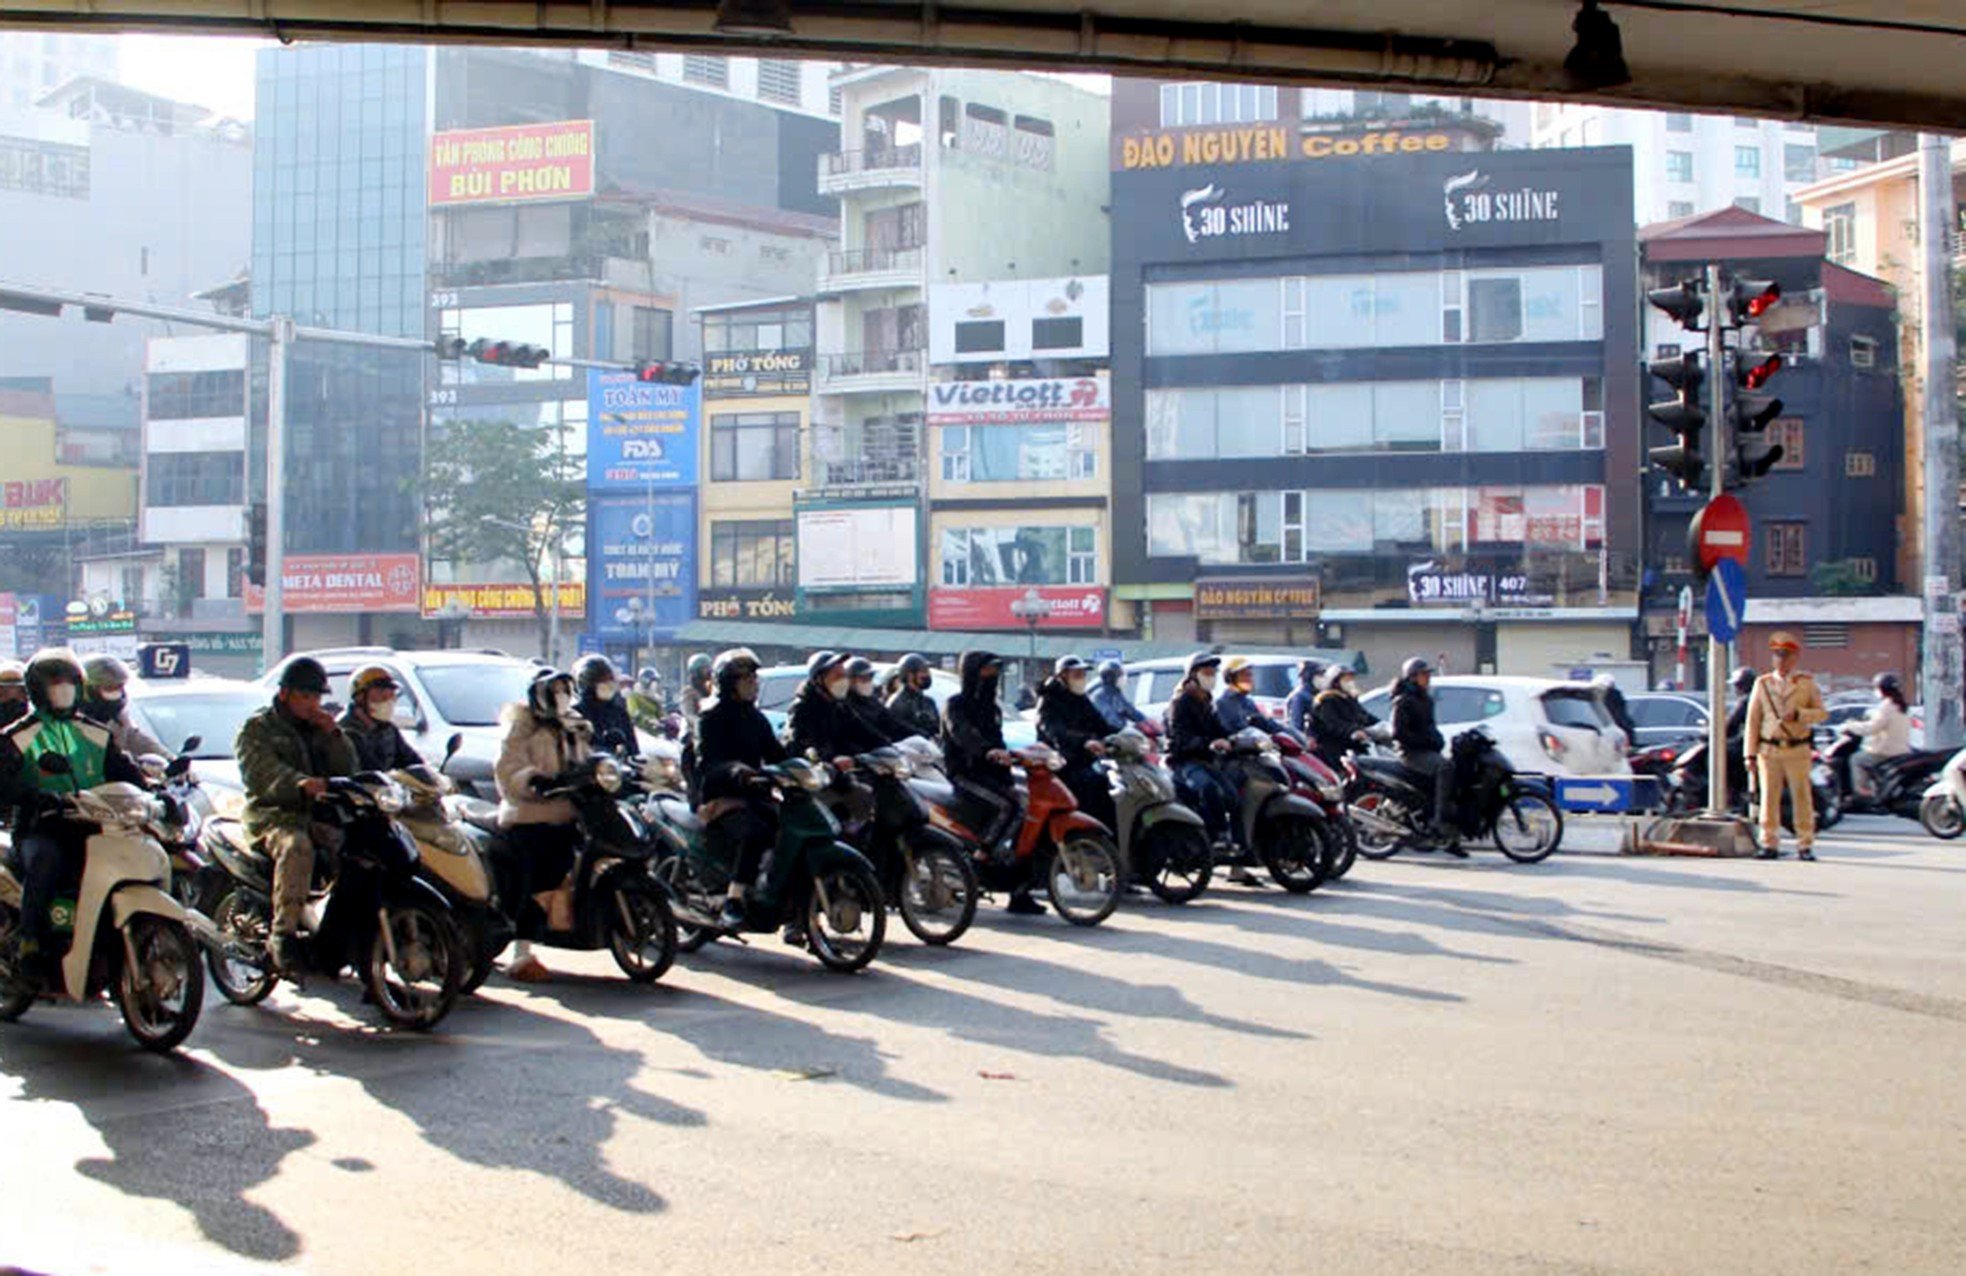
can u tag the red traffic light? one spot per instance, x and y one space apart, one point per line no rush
1760 374
660 373
651 371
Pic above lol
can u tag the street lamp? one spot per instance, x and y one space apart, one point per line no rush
558 547
1032 609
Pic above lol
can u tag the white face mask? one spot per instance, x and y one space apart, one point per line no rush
61 697
1075 683
604 691
837 688
383 710
1206 679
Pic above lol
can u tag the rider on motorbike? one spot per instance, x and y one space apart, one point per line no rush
1236 707
369 722
104 700
1301 708
287 753
1614 704
1422 750
1886 731
645 707
49 848
733 740
821 722
600 703
1195 739
1069 723
866 706
1109 697
13 691
696 690
911 703
539 835
979 762
1340 724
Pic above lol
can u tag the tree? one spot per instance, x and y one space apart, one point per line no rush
499 492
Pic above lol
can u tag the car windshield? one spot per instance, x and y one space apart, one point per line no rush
473 695
213 716
1275 681
1578 708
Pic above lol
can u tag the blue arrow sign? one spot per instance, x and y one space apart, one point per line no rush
1727 599
1594 793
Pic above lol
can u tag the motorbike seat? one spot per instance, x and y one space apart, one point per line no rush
938 791
1381 768
233 834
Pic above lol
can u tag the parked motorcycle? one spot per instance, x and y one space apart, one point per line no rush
368 910
1165 841
924 871
1273 824
1686 789
1314 779
1942 807
821 890
127 935
1901 781
1393 807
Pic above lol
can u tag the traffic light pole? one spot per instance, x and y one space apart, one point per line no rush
1720 450
1939 671
273 611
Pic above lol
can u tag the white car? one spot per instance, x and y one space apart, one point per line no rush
1540 725
210 709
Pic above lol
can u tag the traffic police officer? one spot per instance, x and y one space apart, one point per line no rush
1782 710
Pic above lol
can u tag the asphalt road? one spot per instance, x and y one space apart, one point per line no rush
1592 1065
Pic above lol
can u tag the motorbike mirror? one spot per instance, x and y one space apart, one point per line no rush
55 764
192 744
180 765
451 747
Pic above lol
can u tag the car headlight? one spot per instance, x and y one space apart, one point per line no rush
607 775
390 798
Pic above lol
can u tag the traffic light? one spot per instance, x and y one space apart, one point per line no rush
507 354
1685 303
450 347
1684 416
256 543
1749 413
660 373
1749 299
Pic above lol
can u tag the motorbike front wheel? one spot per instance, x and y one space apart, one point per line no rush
414 971
938 893
1528 829
1942 817
846 918
674 873
1084 879
641 930
1341 833
160 984
244 922
12 1004
1179 862
1293 852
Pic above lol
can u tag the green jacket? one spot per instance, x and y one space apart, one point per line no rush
275 756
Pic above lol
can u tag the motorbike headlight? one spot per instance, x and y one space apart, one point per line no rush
1330 790
390 798
607 775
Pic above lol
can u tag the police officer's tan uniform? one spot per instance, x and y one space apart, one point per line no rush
1782 709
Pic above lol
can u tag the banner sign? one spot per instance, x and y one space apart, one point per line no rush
1019 402
345 582
1257 598
641 562
509 165
220 643
503 602
9 633
858 547
164 660
640 433
1072 607
33 503
100 616
745 604
37 623
759 372
1266 143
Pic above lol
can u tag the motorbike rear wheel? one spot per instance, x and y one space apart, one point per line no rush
419 987
938 893
480 952
846 918
641 930
159 994
1942 817
1294 853
241 919
12 1004
1084 878
674 873
1344 835
1178 862
1373 844
1529 828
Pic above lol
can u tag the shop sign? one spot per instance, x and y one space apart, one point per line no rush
641 564
1070 607
220 644
1427 585
33 503
345 583
512 165
640 434
1256 144
1471 199
1209 212
1019 402
758 372
1257 598
503 601
745 604
100 616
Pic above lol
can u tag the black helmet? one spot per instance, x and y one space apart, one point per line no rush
823 661
539 693
699 667
1202 660
1743 680
914 663
1069 664
859 667
49 666
1887 684
1308 671
732 665
1111 671
591 671
305 675
1413 668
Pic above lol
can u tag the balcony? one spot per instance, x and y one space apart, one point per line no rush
878 453
884 168
872 372
864 269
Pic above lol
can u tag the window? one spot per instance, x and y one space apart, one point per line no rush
1786 433
986 131
190 577
1747 161
1012 453
894 229
1679 208
1864 568
752 330
1787 554
1859 464
980 557
1746 121
951 111
754 446
1841 224
180 396
753 554
1749 202
701 68
1033 143
1678 122
835 99
235 572
1057 334
1467 704
778 81
1495 308
1798 163
195 478
653 334
1679 166
1186 104
1863 352
980 336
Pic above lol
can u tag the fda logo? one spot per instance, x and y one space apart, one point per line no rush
641 450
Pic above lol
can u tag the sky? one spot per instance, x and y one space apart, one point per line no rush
212 71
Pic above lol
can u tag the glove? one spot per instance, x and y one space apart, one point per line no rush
540 785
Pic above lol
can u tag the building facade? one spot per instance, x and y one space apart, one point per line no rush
1381 401
35 63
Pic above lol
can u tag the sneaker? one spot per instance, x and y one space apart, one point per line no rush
530 971
1806 854
733 915
1768 854
1024 906
1454 848
1241 876
795 936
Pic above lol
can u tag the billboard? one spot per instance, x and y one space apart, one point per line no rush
33 503
1070 607
1256 598
859 547
345 582
503 601
515 164
640 433
641 555
1046 399
758 372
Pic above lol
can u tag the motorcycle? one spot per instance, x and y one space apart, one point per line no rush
1273 824
1165 841
923 870
1073 854
1392 806
1314 779
821 890
1901 781
127 935
368 909
1686 789
1942 808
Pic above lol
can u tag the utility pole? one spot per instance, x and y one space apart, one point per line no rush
1939 674
273 614
1716 488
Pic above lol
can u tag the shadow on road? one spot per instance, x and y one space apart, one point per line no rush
178 1130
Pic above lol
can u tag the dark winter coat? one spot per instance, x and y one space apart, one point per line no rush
1068 722
1413 720
614 730
379 746
733 739
1621 714
828 727
877 718
1238 709
972 725
276 754
1192 726
917 710
1301 708
1335 718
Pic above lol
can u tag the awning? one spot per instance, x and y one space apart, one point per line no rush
929 642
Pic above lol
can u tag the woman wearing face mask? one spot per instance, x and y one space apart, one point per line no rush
543 738
1069 722
1196 740
822 723
601 704
106 700
979 763
369 722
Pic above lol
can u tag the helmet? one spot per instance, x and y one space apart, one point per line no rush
1202 660
823 661
105 671
732 665
1234 667
1068 664
540 692
592 670
1413 668
12 673
859 667
645 675
1743 679
1331 675
55 664
1887 684
1782 640
913 663
304 674
698 668
1310 672
368 679
1111 671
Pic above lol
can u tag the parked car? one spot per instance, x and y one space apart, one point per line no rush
1665 717
210 709
1541 725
